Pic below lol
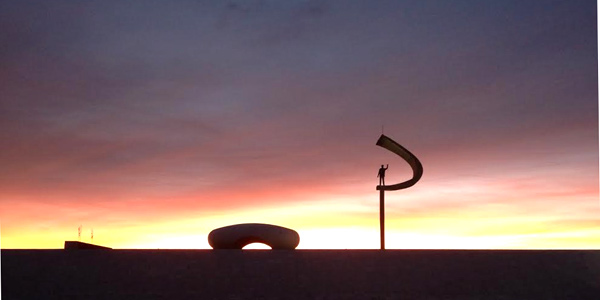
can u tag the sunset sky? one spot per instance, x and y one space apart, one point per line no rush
154 122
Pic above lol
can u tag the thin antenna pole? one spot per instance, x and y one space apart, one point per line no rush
381 129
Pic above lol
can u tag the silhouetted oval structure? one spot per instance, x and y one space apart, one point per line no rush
239 235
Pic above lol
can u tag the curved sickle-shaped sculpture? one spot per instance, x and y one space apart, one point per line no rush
239 235
412 160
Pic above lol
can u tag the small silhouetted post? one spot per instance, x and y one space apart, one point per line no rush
382 218
381 175
79 233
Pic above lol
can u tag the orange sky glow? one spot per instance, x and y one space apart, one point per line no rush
457 214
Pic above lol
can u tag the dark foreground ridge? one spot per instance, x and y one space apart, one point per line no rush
75 245
301 274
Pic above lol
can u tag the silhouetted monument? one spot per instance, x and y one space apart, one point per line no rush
239 235
417 169
381 174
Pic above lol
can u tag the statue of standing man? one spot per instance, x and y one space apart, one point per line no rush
381 174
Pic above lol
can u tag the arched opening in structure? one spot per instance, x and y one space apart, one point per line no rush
257 246
252 242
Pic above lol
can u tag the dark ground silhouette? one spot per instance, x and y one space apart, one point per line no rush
300 274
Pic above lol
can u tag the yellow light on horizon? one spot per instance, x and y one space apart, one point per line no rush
334 223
